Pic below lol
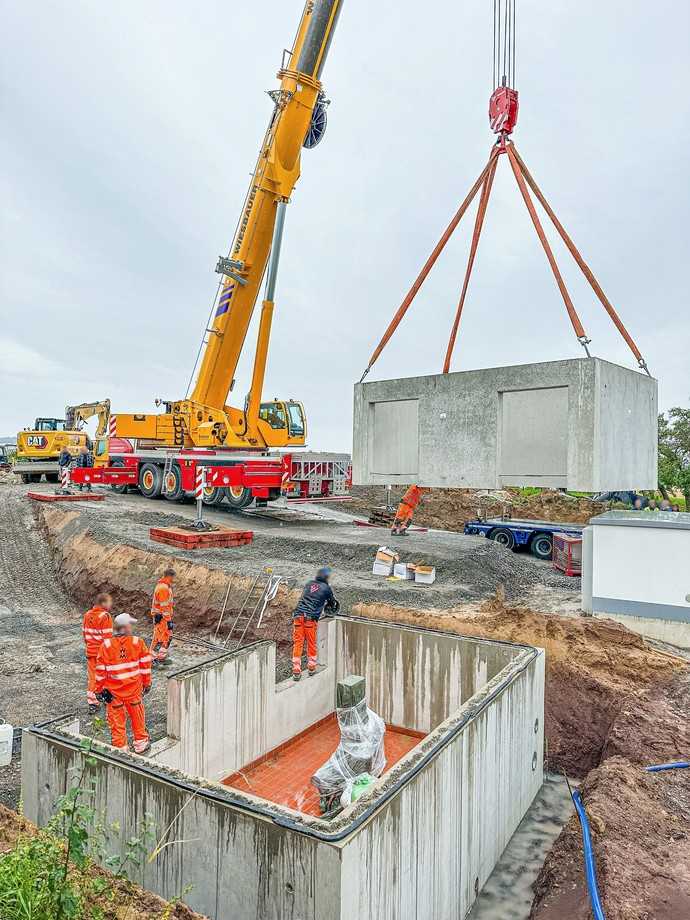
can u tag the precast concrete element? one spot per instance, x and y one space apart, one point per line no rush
635 570
419 844
582 424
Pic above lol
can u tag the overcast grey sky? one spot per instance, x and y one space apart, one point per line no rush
130 130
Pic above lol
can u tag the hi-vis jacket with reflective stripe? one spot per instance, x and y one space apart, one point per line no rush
123 667
97 626
163 599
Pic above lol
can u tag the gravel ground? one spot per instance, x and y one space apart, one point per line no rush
42 668
296 542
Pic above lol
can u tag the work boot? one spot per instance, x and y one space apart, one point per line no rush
147 747
311 672
296 675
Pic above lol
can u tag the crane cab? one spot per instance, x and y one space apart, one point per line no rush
282 423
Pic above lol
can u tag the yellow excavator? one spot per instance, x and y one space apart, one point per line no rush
38 448
203 418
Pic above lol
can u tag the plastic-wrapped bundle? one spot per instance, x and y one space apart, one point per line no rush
360 752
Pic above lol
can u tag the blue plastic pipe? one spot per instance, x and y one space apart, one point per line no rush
679 765
590 871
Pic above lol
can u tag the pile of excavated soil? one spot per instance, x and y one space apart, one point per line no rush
640 821
593 668
448 509
130 902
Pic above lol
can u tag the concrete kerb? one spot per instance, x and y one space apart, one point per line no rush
349 821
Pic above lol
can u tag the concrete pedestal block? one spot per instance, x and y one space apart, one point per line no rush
582 424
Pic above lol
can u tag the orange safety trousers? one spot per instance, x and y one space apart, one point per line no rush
161 637
91 680
117 713
303 630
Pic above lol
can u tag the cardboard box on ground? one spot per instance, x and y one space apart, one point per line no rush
387 563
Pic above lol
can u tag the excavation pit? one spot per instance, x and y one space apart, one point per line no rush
458 792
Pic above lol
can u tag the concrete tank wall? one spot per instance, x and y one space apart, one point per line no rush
416 679
582 424
240 866
420 857
224 715
416 845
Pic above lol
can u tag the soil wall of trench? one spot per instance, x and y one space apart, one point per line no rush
86 567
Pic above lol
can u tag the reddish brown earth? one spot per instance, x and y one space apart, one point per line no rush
640 821
448 509
594 668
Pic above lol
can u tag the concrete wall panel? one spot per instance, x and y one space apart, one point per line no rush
416 679
509 426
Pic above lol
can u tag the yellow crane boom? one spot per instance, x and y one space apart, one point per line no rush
204 419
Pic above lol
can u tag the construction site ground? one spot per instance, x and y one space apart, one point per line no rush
613 703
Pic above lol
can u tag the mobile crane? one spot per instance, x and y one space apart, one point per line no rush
160 452
204 419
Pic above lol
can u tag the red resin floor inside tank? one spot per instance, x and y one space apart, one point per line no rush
284 774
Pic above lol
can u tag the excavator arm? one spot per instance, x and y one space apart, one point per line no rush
75 416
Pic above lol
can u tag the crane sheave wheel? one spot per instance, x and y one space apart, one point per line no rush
317 126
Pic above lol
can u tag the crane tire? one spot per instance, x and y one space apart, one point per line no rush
172 485
151 480
213 495
239 497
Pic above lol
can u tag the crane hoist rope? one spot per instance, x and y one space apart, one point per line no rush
503 113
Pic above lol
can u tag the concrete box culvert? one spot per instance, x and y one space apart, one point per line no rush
420 844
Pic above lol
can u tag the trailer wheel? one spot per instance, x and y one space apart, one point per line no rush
151 480
542 545
239 497
172 486
503 536
52 477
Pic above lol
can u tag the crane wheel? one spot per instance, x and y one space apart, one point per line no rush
120 490
239 497
150 480
503 536
172 485
213 495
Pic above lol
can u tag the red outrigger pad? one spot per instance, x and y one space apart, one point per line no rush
218 538
50 497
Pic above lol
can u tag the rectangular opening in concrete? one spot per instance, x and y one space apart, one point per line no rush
464 754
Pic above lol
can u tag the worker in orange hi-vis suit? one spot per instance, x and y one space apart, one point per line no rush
162 614
406 508
96 627
123 676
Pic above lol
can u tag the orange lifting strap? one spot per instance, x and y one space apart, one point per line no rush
525 182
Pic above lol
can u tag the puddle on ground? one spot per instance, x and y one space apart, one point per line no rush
508 893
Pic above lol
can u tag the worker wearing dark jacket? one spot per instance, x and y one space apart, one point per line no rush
317 599
65 458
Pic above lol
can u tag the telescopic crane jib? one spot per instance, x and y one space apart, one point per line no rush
203 419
